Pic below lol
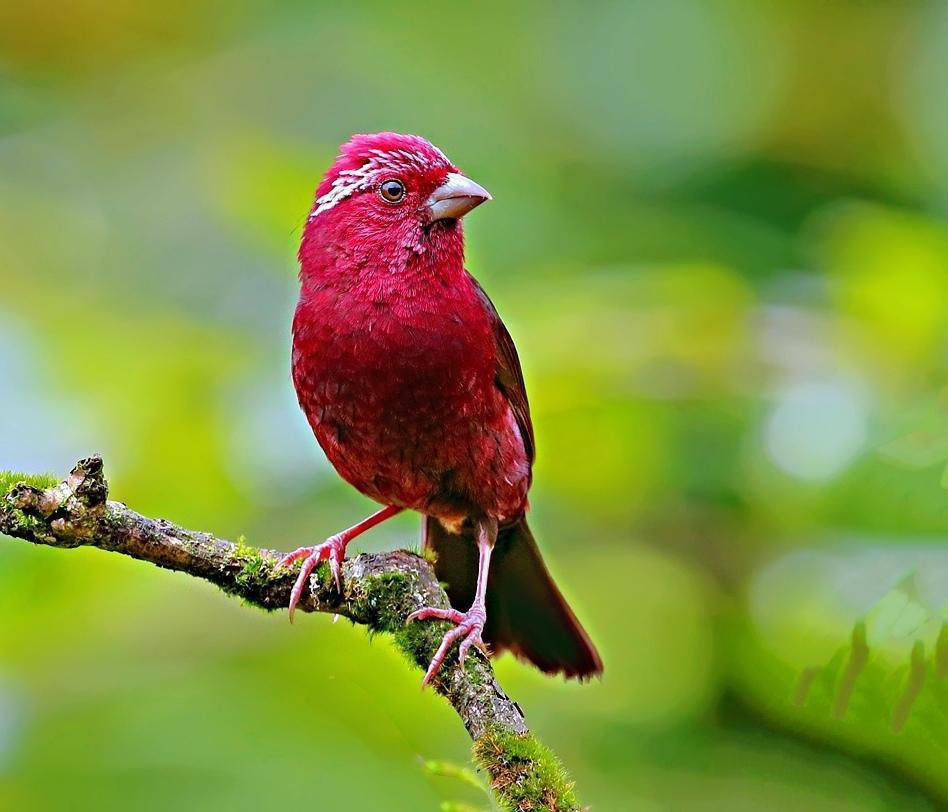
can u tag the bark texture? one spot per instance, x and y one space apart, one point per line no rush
379 591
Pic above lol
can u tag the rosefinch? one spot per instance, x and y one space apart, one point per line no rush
413 388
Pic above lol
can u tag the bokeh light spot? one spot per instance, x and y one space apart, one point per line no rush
815 429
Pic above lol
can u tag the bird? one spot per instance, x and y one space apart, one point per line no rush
413 388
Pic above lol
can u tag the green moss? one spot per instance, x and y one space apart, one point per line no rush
41 481
382 601
419 641
28 523
475 671
323 574
426 553
254 572
524 774
253 577
19 523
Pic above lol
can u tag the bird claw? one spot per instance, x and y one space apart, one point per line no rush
429 612
469 626
332 549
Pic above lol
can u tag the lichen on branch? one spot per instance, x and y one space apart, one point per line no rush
379 591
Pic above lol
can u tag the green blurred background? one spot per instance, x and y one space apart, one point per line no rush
719 238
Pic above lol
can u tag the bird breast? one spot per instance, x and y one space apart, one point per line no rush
400 393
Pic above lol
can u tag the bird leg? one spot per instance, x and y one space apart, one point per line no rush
333 549
469 625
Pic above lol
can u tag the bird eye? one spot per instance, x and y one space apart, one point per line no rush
392 191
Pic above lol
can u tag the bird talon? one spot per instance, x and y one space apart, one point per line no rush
429 612
468 629
465 646
333 550
336 570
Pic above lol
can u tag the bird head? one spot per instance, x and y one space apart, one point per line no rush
388 193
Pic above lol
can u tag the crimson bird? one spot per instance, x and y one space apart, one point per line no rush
413 388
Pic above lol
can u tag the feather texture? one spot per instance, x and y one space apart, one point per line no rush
413 387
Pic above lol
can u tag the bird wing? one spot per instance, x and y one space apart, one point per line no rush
509 375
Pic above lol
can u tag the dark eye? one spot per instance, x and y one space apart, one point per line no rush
392 190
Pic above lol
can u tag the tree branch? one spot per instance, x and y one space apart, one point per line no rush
379 591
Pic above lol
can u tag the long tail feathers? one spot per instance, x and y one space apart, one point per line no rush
526 613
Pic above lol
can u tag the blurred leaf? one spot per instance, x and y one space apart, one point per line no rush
890 272
448 769
889 678
920 449
899 614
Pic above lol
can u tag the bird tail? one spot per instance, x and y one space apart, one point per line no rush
526 613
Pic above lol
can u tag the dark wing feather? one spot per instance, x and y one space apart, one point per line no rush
509 374
525 611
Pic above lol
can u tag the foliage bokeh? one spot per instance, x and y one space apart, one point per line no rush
719 238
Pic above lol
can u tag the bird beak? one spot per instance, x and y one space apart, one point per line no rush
455 197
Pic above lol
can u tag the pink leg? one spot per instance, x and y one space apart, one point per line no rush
469 626
334 549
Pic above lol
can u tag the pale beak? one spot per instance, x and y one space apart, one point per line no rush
455 197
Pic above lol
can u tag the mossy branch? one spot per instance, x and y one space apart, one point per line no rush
380 590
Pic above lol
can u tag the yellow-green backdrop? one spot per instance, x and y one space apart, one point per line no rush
719 238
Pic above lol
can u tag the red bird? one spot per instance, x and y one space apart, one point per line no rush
413 388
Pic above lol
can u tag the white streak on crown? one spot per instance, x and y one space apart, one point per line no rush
380 166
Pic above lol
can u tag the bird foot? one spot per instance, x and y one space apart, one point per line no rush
332 549
469 626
